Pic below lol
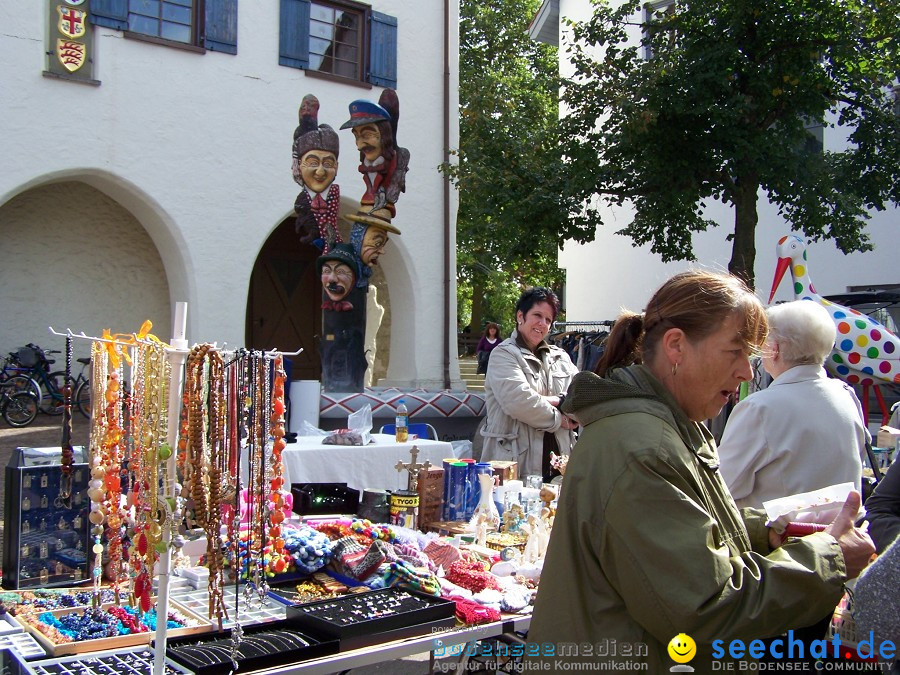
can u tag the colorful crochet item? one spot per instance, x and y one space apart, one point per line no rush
442 553
472 614
418 579
354 560
472 576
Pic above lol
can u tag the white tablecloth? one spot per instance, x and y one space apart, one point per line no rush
371 466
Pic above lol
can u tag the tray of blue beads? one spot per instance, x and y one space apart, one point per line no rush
78 630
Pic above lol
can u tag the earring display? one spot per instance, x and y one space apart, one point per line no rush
43 539
264 646
23 644
364 619
136 662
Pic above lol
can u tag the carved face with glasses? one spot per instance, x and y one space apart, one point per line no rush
318 169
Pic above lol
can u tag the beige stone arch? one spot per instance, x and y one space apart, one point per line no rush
86 251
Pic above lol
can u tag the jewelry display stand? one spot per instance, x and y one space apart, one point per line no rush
176 356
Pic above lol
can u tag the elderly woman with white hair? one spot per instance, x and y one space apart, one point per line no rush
805 431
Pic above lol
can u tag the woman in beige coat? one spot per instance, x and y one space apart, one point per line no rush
526 381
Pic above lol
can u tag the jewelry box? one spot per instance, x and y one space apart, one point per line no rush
268 645
372 617
135 661
45 533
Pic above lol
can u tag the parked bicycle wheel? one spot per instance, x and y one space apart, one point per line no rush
82 398
52 392
19 409
24 384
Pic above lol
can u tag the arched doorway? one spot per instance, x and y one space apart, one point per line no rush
77 259
284 301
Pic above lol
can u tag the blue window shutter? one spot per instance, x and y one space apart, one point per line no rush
110 13
383 50
293 37
220 26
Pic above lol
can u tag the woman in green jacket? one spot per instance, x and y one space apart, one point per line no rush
648 543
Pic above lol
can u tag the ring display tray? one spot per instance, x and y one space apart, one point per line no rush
364 619
11 663
267 645
197 625
23 644
129 662
9 625
197 600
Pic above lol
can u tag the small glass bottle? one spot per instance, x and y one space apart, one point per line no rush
401 423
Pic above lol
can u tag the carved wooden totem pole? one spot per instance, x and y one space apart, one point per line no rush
345 268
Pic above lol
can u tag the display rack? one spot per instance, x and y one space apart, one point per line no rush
176 353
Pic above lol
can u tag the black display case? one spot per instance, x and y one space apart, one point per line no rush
267 645
318 499
373 617
45 538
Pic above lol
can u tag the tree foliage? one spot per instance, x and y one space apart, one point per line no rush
508 168
720 110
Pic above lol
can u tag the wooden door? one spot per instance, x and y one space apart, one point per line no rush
285 299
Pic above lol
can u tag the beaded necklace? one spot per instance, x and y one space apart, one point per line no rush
150 420
106 461
196 478
218 474
278 560
205 465
67 459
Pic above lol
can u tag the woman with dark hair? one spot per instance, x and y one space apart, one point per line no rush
527 380
647 543
489 339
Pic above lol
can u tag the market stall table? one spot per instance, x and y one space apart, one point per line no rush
455 643
372 466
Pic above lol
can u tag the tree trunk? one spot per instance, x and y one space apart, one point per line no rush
743 250
477 308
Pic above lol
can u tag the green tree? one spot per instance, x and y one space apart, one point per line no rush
715 104
508 168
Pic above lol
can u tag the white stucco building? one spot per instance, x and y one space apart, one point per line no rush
165 174
611 273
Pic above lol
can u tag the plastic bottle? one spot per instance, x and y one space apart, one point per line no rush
401 422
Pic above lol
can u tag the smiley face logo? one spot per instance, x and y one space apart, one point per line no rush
682 648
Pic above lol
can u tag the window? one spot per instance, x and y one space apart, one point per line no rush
211 24
167 19
656 13
335 41
339 37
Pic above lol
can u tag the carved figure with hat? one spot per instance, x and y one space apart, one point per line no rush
315 163
368 237
383 164
338 271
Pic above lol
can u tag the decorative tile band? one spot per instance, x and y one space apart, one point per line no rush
419 402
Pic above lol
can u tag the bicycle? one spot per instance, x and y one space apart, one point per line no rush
19 377
52 387
18 408
81 387
35 359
